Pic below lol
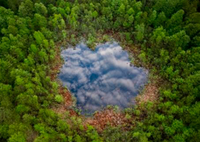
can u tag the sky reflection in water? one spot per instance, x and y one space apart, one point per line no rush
101 77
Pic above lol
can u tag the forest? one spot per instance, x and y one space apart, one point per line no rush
166 34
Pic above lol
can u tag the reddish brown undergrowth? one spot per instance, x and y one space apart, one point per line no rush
150 93
65 106
56 65
108 117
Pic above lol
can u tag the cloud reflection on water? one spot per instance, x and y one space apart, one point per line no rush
101 77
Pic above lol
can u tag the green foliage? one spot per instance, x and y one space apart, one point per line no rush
140 29
40 9
175 22
59 98
39 22
161 19
168 32
142 57
26 8
17 137
152 17
91 41
39 37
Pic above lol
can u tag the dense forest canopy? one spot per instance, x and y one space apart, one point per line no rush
167 32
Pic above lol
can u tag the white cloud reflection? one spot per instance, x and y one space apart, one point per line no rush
101 77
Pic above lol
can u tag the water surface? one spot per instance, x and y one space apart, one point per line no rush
101 77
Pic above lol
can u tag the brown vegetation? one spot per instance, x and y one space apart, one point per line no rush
107 117
68 102
150 93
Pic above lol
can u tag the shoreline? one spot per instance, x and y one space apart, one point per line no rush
108 116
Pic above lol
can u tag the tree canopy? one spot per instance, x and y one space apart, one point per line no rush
167 33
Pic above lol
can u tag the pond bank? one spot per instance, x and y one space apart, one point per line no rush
106 117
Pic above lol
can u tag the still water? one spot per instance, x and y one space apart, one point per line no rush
101 77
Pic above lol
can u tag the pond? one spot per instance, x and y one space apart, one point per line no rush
101 77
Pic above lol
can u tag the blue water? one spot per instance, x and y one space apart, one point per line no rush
101 77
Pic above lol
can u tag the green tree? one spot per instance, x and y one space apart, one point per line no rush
39 37
152 17
161 19
40 9
39 22
73 17
175 22
17 137
26 8
140 29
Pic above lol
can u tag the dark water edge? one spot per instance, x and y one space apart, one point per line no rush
101 77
